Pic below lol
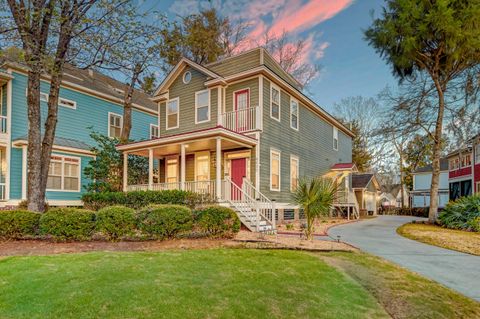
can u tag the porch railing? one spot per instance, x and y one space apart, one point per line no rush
203 187
241 121
3 124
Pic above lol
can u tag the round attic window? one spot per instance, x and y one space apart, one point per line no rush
187 76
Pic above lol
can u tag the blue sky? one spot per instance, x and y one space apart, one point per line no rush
333 29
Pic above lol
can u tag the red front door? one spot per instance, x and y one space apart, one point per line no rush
238 172
242 102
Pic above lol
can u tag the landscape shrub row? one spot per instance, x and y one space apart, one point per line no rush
139 199
464 213
120 222
406 211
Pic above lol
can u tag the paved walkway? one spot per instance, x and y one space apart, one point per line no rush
378 236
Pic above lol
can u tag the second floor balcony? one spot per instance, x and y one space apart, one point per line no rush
242 120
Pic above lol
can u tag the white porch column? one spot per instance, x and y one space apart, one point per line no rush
125 171
24 171
150 168
218 168
182 166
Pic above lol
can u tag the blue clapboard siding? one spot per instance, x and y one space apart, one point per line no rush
74 124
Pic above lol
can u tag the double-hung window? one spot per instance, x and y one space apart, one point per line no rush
64 174
172 113
114 125
275 102
202 107
274 170
335 138
67 103
294 114
171 170
294 168
154 131
477 154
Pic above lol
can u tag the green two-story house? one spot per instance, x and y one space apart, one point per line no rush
88 101
241 130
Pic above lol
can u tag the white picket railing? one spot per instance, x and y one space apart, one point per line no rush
3 124
253 211
266 205
202 187
241 121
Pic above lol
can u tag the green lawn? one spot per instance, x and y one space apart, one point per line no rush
219 283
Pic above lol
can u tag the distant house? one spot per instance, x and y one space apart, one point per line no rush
366 188
391 196
422 182
464 169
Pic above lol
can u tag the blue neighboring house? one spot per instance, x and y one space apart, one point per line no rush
87 99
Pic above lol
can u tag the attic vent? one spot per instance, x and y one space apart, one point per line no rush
187 77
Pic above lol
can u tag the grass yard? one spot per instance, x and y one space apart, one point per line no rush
221 283
464 241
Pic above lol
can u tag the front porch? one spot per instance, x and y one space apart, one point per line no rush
215 162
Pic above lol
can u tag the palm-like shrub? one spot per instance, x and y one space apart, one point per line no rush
464 213
316 197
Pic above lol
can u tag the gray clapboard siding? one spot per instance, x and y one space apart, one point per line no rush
186 94
237 64
312 143
270 63
251 84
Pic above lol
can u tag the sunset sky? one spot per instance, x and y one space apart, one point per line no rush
332 30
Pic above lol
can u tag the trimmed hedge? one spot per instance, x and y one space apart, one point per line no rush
218 221
18 224
68 224
139 199
165 221
115 222
464 213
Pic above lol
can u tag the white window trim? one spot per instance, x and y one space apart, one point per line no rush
335 137
298 113
63 175
477 153
196 106
121 122
273 86
178 168
195 164
277 152
157 127
183 77
178 114
294 158
61 102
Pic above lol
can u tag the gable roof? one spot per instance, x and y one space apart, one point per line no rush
97 82
428 168
361 180
344 166
178 69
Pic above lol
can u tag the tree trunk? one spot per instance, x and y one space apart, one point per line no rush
35 197
402 194
127 107
437 147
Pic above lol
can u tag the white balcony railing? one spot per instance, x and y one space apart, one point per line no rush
3 124
241 121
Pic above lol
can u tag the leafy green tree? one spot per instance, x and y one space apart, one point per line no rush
315 196
105 171
361 156
438 38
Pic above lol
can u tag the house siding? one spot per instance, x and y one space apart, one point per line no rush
91 114
270 63
251 84
186 95
237 64
312 144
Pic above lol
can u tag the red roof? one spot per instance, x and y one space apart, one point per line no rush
343 166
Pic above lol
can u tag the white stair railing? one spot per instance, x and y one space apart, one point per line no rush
266 205
246 206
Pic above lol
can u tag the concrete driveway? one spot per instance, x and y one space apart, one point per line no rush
378 236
